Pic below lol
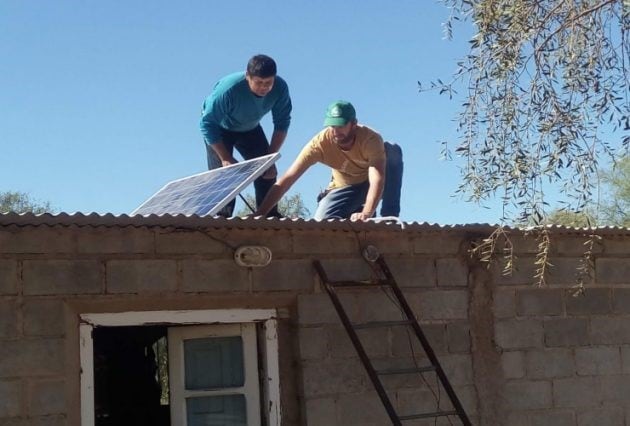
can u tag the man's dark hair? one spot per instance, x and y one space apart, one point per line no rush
261 66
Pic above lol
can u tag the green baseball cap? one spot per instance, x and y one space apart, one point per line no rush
339 113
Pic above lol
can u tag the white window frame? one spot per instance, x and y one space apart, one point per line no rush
178 391
268 318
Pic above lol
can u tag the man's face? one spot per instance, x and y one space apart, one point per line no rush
260 86
343 136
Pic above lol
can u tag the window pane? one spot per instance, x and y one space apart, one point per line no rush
214 362
225 410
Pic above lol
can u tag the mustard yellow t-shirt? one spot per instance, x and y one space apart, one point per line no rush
348 167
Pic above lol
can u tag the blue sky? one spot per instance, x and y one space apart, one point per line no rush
100 101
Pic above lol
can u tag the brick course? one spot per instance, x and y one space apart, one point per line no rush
519 334
11 397
47 397
214 276
28 358
413 271
452 272
8 276
610 330
56 277
598 361
528 395
43 317
141 276
37 241
128 240
440 305
612 271
8 318
592 301
287 274
550 363
566 332
577 392
532 302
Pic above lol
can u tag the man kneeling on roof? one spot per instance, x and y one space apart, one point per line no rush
357 157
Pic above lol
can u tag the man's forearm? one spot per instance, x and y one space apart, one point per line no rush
280 188
371 200
277 139
223 153
376 177
271 199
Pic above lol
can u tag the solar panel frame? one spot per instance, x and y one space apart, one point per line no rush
198 194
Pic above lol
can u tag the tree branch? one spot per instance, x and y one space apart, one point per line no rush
573 20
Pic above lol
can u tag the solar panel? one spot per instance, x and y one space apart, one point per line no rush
205 193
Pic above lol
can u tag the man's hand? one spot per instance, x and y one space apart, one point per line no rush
360 216
224 155
228 162
271 172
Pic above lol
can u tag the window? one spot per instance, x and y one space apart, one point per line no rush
214 375
213 370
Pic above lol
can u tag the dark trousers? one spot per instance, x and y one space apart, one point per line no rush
250 144
390 203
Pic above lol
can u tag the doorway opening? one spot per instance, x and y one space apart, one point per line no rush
131 376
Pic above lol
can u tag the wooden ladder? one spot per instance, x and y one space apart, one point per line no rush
386 280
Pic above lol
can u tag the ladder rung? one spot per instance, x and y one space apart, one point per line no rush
342 284
381 324
428 415
406 370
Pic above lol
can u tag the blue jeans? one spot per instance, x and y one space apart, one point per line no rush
250 144
340 203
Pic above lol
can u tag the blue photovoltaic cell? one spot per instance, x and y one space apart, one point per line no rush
208 192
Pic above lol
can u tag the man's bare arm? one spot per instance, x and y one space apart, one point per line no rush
376 177
281 187
223 154
277 139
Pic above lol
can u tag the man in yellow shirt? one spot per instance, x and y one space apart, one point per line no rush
356 155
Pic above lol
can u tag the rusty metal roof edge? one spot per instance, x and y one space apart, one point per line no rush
182 221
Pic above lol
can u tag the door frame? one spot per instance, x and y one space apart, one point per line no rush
270 359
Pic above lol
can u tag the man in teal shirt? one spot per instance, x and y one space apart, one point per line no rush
231 119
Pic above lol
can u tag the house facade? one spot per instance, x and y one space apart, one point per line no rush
172 320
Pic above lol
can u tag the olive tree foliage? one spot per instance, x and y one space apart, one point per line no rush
582 219
616 207
541 81
612 210
21 202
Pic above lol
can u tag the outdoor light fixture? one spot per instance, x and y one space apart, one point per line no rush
252 256
370 253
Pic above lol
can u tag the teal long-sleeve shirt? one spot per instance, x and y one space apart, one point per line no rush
233 106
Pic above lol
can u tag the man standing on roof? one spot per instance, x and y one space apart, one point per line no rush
356 155
231 119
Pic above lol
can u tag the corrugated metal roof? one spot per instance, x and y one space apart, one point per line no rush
181 221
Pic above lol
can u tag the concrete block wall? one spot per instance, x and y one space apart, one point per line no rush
434 276
516 354
50 275
564 356
32 355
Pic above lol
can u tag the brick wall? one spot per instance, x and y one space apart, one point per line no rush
515 354
564 356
